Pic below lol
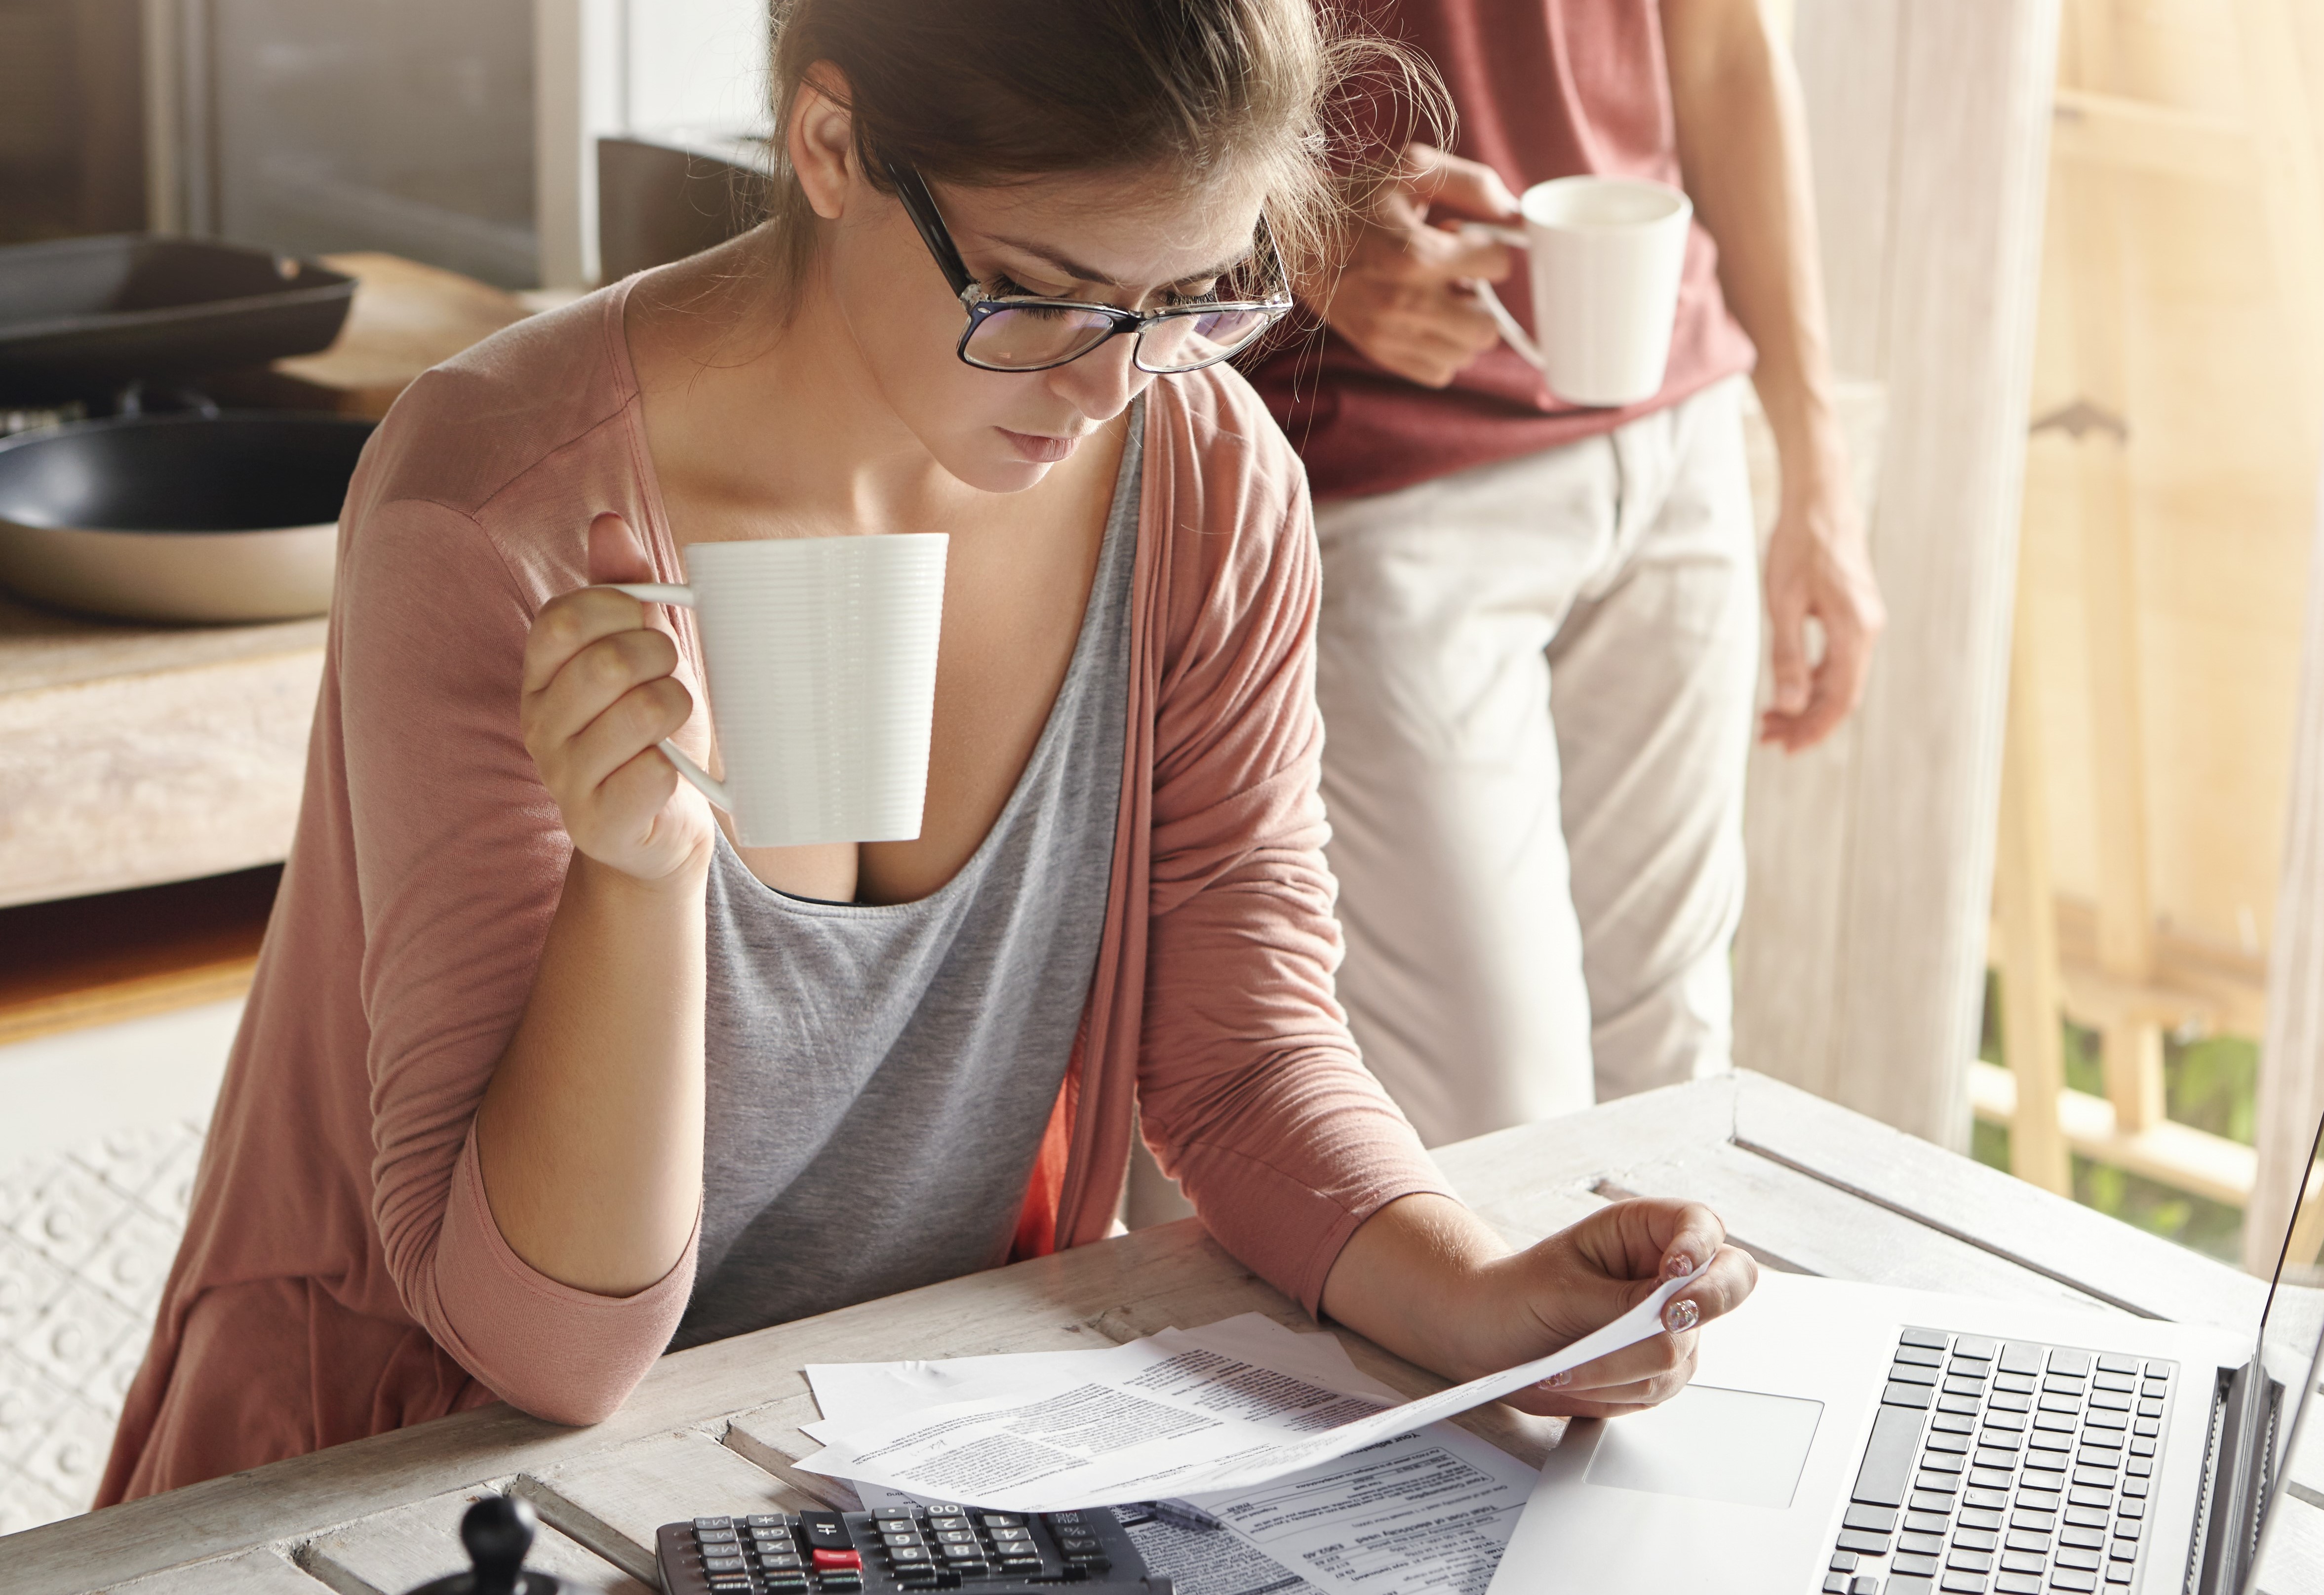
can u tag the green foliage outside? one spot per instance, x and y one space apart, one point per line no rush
2211 1084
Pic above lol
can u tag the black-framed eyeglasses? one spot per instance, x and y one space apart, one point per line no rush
1023 332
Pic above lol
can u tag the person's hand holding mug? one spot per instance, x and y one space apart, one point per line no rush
600 695
1402 297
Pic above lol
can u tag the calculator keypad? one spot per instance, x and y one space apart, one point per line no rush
898 1549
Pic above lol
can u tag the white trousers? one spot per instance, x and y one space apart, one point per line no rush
1536 679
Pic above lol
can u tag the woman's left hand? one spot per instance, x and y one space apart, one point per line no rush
1428 1279
1585 1277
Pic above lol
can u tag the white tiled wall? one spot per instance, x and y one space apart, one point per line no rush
100 1130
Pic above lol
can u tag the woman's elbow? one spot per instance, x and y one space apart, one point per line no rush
576 1403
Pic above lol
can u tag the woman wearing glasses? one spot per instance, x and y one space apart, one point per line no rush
543 1076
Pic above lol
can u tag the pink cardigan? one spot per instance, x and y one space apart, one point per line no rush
342 1274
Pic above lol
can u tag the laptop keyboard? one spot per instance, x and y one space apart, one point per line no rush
2003 1467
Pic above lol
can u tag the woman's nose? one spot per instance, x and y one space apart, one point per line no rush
1101 383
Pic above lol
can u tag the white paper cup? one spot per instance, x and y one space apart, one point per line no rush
822 661
1605 255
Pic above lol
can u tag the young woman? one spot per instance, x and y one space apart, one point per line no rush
542 1075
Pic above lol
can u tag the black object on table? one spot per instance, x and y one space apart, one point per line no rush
497 1531
897 1550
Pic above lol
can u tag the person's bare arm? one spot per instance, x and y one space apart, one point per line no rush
1426 1278
1742 140
590 1135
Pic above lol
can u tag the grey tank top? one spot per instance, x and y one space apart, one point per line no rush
879 1076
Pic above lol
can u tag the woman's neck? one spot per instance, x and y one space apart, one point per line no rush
747 410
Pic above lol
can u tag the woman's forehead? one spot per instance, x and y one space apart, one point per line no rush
1132 228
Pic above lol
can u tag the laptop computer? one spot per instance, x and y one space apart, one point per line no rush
1859 1440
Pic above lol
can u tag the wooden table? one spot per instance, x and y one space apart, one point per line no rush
1807 1186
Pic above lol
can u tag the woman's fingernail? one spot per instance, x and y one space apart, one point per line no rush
1682 1316
1557 1381
1677 1265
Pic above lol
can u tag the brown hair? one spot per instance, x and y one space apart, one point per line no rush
983 92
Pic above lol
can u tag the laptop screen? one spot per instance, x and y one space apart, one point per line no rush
2291 1344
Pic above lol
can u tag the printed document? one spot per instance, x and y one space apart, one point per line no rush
1422 1513
1165 1416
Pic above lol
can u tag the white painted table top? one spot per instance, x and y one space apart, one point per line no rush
1805 1185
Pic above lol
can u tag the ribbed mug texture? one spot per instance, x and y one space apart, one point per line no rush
822 662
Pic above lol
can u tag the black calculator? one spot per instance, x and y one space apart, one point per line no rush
904 1548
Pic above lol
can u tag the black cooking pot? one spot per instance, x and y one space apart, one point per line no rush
188 517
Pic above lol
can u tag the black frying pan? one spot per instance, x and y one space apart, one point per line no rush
229 516
80 317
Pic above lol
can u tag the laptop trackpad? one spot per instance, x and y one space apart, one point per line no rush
1709 1443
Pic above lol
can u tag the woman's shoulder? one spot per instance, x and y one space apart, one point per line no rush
520 434
1222 437
1233 502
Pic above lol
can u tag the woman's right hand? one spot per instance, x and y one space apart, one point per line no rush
600 692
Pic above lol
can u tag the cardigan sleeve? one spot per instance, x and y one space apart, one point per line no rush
1250 1090
460 856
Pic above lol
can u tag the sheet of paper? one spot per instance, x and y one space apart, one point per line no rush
1426 1512
864 1392
1163 1416
1421 1514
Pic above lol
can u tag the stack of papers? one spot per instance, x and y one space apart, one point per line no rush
1322 1483
1171 1414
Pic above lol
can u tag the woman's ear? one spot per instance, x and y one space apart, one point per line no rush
821 140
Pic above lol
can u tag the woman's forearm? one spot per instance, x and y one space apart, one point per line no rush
590 1135
1403 1280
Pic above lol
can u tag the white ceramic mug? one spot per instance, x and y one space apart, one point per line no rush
1606 254
821 661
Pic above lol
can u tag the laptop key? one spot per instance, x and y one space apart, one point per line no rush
2020 1358
1969 1561
2028 1539
1934 1339
1994 1499
1906 1373
1898 1395
1964 1406
1963 1583
1912 1565
2017 1584
2025 1561
2074 1556
2081 1584
1875 1519
1971 1345
1930 1501
2076 1363
1887 1462
2087 1516
1948 1441
1865 1584
1835 1583
1919 1545
1843 1562
1870 1545
1923 1356
1976 1539
2088 1539
1980 1517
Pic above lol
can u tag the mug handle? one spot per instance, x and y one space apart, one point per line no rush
1514 336
682 597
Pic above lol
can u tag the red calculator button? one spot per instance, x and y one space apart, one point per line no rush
837 1559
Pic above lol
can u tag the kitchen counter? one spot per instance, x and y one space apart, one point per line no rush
133 754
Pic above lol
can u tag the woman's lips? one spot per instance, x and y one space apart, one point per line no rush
1039 449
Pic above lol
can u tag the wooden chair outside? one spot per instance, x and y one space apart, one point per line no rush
2155 676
